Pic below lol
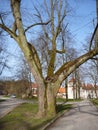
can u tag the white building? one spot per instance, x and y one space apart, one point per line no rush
83 91
74 90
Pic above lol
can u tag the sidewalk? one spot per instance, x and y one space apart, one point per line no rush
83 116
8 105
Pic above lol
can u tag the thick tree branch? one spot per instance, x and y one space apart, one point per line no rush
55 33
69 67
61 51
15 5
9 31
92 38
28 50
14 29
35 57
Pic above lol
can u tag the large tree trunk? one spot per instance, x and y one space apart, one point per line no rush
47 100
51 100
41 100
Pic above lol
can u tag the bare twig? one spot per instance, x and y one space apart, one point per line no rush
36 24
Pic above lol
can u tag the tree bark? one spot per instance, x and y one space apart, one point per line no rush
42 101
51 100
47 100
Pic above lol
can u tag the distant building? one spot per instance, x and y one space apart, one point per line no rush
71 89
62 92
34 89
84 91
89 91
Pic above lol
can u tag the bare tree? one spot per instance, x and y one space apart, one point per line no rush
3 55
93 74
78 83
47 86
24 74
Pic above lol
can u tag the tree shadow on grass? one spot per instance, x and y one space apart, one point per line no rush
2 100
62 107
21 125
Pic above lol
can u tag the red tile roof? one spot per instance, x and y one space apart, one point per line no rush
34 85
72 80
89 87
62 90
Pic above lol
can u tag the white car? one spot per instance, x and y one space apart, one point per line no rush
13 96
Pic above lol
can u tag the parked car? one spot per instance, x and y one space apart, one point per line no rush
13 95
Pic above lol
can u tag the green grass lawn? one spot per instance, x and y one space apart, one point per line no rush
74 100
95 101
69 100
24 118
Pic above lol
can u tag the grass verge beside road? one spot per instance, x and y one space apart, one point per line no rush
62 100
95 101
24 118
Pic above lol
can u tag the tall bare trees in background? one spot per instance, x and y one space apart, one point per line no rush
3 55
91 73
49 83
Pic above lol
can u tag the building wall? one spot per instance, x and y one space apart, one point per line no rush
84 93
70 92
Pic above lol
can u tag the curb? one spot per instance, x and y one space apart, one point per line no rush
53 120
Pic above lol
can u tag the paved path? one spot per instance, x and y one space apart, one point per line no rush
84 116
9 105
